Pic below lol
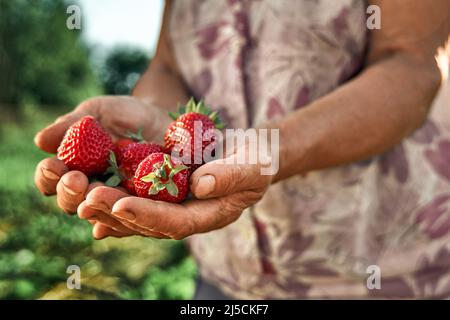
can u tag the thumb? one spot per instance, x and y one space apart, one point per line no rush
217 179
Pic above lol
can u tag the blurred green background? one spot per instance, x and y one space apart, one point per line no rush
45 70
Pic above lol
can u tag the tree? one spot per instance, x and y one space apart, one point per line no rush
41 60
122 68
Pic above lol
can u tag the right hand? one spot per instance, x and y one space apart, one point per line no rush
117 114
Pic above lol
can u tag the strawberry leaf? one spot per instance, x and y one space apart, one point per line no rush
137 137
112 159
113 181
156 188
220 126
172 188
113 168
177 169
174 115
201 108
190 106
151 177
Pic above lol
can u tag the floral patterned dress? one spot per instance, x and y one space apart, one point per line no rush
315 235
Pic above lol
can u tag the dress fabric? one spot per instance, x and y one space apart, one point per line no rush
314 236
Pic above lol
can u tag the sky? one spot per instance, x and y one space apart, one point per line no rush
107 23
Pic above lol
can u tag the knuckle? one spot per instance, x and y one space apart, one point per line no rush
234 177
88 105
183 230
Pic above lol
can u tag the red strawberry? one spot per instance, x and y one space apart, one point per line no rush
85 147
125 168
179 137
123 143
162 177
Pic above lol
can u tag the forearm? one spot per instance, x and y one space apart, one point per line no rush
162 87
361 119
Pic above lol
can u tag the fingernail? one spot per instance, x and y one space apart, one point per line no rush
125 215
49 174
70 191
205 185
100 207
36 138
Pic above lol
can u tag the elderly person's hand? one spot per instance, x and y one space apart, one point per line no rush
222 191
117 115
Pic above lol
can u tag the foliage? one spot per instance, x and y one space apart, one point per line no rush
41 60
122 68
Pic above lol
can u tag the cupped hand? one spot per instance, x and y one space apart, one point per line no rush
117 114
222 192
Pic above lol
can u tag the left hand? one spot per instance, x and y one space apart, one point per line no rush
222 191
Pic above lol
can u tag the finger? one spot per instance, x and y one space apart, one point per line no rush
71 190
94 185
102 198
98 206
172 220
143 231
101 231
49 138
89 213
47 174
217 178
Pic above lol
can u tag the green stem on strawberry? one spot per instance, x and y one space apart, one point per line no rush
137 137
201 108
116 177
159 178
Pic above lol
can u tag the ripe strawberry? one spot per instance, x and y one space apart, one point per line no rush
123 143
186 135
123 170
162 177
85 147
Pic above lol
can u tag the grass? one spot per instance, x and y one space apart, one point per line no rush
38 242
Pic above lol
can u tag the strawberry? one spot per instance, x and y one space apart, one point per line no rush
85 147
123 143
162 177
182 135
123 169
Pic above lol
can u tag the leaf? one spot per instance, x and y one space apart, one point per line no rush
182 110
113 181
172 188
177 169
220 126
174 115
110 170
112 158
167 162
151 177
156 188
135 136
190 106
213 116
